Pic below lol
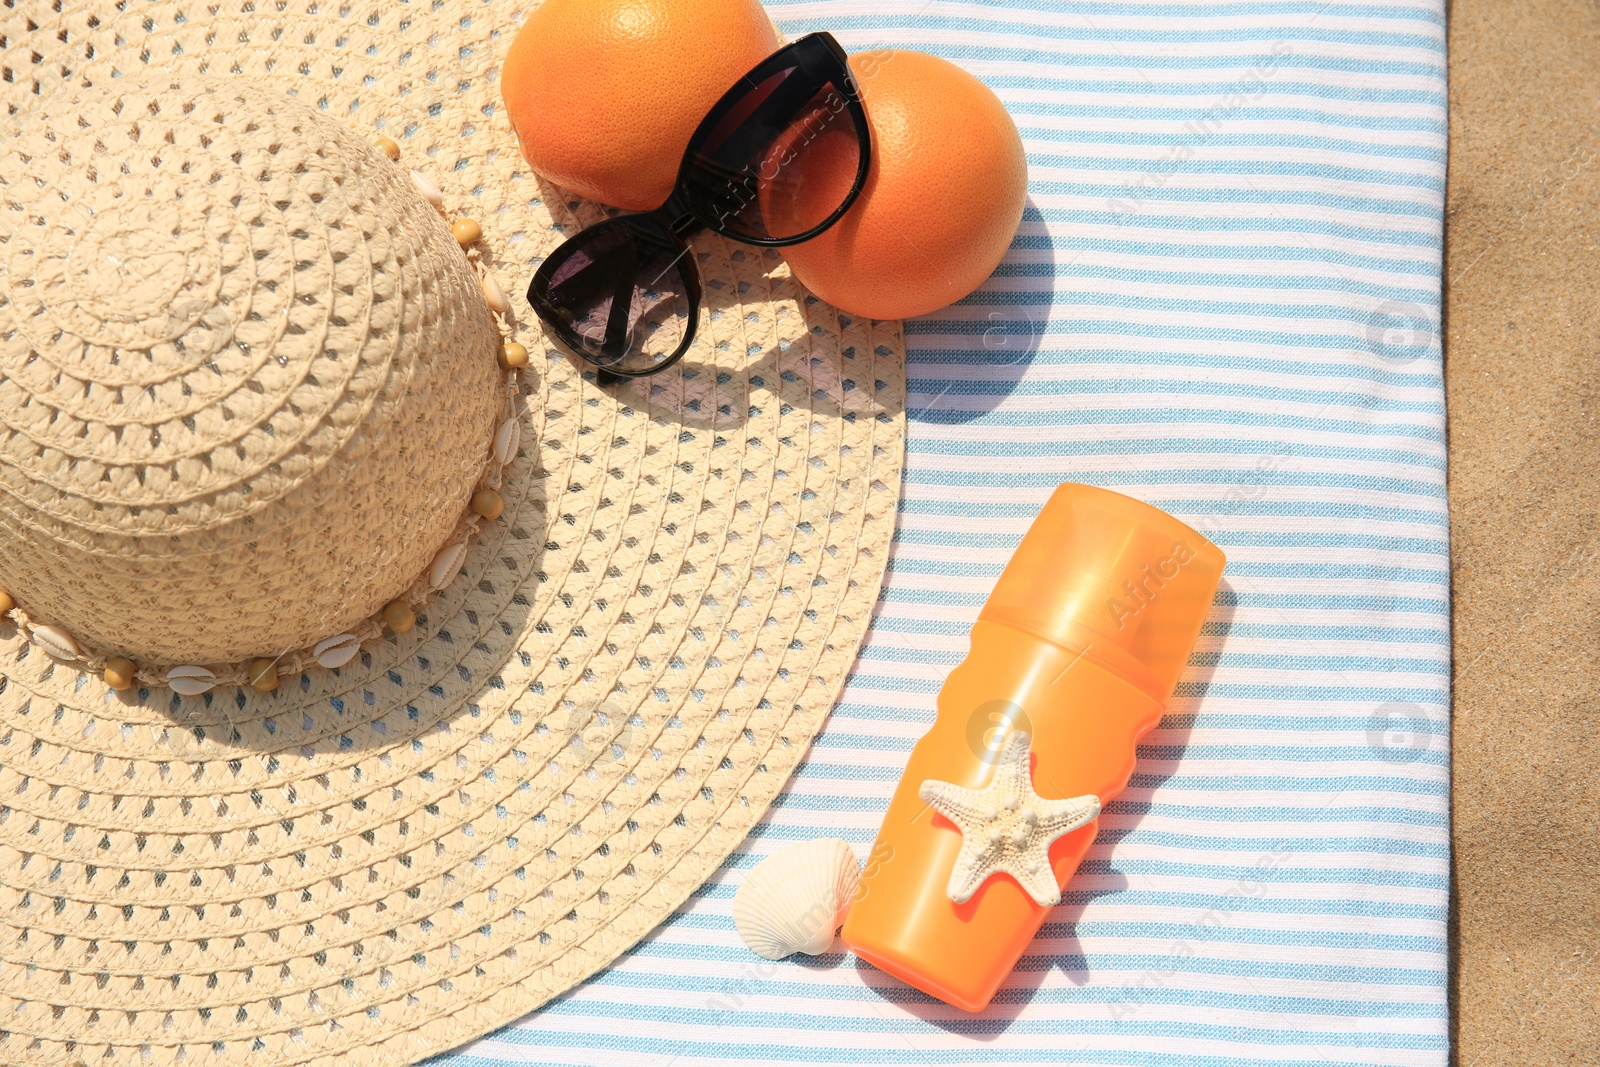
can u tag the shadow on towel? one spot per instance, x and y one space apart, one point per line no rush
963 361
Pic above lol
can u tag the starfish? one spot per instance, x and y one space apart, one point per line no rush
1007 827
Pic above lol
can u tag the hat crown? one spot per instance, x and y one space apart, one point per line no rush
247 378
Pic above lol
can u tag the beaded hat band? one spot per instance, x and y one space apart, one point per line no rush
249 400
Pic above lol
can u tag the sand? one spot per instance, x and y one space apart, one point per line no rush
1522 351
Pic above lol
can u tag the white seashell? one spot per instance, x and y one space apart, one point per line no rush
495 296
425 186
56 641
446 565
190 681
796 898
337 650
506 440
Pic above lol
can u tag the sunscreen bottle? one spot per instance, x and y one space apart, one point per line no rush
1078 648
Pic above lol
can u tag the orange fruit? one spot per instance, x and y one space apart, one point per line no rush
942 199
604 94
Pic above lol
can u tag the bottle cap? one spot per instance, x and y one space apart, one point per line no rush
1122 582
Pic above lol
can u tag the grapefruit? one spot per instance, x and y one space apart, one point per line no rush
605 94
942 199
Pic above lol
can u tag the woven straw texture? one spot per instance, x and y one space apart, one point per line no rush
378 862
271 417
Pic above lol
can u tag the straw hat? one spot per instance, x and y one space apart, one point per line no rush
250 404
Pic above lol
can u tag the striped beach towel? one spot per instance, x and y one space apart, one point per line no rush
1224 300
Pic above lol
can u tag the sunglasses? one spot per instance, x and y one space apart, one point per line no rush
766 167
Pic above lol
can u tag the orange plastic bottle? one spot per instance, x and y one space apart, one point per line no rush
1079 646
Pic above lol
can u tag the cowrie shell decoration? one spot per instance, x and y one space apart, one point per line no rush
425 185
495 296
506 440
446 564
337 650
56 641
190 681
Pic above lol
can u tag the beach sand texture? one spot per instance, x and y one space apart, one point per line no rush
1522 344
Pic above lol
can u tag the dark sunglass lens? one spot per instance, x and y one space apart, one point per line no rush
780 161
618 294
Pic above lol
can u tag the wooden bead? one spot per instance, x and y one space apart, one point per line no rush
263 674
487 502
466 231
389 147
6 603
512 355
398 616
119 673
